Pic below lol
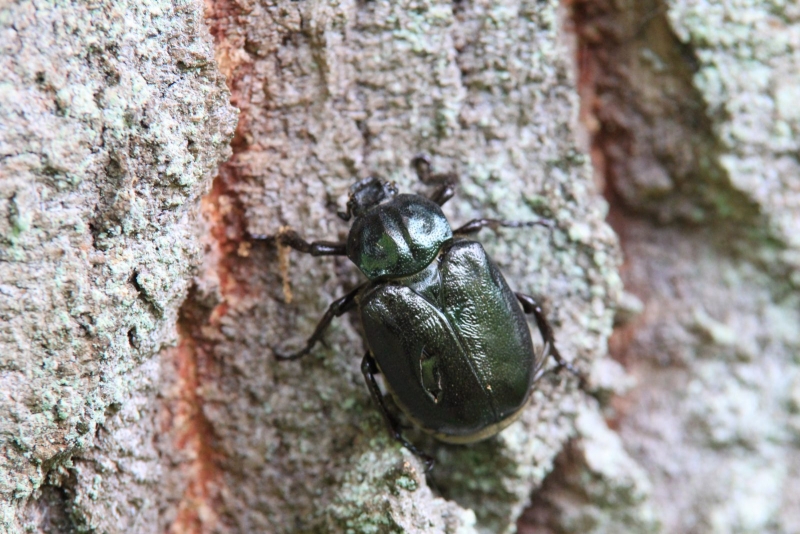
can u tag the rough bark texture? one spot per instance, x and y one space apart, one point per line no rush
115 115
694 112
113 118
331 92
140 393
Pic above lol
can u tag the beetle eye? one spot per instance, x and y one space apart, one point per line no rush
430 375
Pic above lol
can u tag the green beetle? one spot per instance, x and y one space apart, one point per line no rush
441 323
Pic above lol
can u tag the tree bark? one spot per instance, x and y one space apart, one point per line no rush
141 303
113 119
696 133
334 92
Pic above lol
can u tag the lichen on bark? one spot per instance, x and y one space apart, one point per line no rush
687 103
118 116
114 119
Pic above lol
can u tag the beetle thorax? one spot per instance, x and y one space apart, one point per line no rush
398 238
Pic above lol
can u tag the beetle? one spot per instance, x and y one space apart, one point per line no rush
442 326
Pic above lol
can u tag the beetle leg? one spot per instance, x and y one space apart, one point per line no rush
338 307
475 225
370 368
530 306
290 238
443 193
447 181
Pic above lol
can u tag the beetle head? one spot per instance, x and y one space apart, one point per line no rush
366 194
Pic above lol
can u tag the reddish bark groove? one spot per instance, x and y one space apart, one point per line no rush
225 248
655 157
653 146
542 515
195 511
658 147
195 359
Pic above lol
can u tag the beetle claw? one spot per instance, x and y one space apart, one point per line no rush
421 163
583 383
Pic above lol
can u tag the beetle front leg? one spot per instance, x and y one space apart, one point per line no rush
443 193
530 306
370 368
476 225
292 239
447 181
338 307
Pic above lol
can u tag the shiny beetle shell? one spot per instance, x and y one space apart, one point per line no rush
453 345
441 323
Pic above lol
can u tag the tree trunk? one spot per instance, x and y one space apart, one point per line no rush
113 120
141 304
694 112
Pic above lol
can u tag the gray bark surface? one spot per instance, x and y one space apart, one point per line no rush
337 91
140 306
718 344
695 115
113 118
